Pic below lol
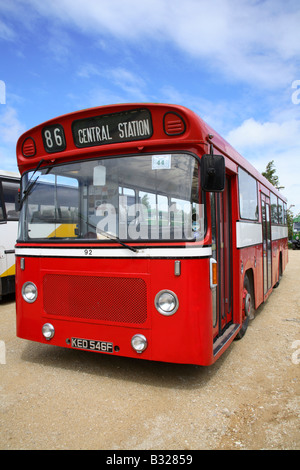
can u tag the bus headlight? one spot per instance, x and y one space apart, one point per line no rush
139 343
29 292
166 302
48 331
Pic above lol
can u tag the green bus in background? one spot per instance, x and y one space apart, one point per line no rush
296 233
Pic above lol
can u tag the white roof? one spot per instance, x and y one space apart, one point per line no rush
12 174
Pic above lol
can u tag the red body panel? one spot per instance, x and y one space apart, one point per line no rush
185 337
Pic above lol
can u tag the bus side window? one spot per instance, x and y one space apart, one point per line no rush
280 212
10 191
274 209
1 204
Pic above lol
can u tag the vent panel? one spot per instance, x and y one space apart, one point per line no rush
174 124
28 147
106 299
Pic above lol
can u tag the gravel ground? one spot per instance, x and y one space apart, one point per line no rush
55 398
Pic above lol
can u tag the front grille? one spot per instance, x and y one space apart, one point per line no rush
107 299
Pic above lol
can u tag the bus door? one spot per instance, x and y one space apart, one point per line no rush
267 245
222 254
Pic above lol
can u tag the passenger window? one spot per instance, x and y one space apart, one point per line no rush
274 209
280 212
247 196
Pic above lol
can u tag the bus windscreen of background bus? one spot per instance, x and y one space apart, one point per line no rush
9 216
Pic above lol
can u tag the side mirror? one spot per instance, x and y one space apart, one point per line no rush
213 173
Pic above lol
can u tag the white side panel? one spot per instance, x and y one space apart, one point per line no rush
8 237
248 233
278 232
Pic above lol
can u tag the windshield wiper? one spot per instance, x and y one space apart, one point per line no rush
117 239
110 236
31 183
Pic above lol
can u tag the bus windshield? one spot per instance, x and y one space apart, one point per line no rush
296 226
133 198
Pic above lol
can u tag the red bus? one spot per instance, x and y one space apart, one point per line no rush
143 234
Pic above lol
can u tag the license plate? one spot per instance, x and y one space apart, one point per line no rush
92 345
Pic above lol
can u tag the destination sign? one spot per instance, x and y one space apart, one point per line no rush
112 128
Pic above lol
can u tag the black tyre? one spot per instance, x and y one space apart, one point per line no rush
248 307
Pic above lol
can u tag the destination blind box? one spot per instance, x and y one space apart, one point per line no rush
112 128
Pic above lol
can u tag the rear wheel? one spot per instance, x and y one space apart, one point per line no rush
248 307
279 274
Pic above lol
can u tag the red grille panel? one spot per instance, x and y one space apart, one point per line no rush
111 299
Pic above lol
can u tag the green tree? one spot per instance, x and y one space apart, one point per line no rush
290 217
271 176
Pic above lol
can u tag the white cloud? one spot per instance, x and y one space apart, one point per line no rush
10 126
114 85
244 40
88 70
254 134
6 32
131 83
262 142
10 130
8 159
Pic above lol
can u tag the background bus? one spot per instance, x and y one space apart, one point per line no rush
9 216
143 233
296 233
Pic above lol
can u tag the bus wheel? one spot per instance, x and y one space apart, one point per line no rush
248 308
279 275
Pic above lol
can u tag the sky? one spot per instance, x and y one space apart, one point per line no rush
236 63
